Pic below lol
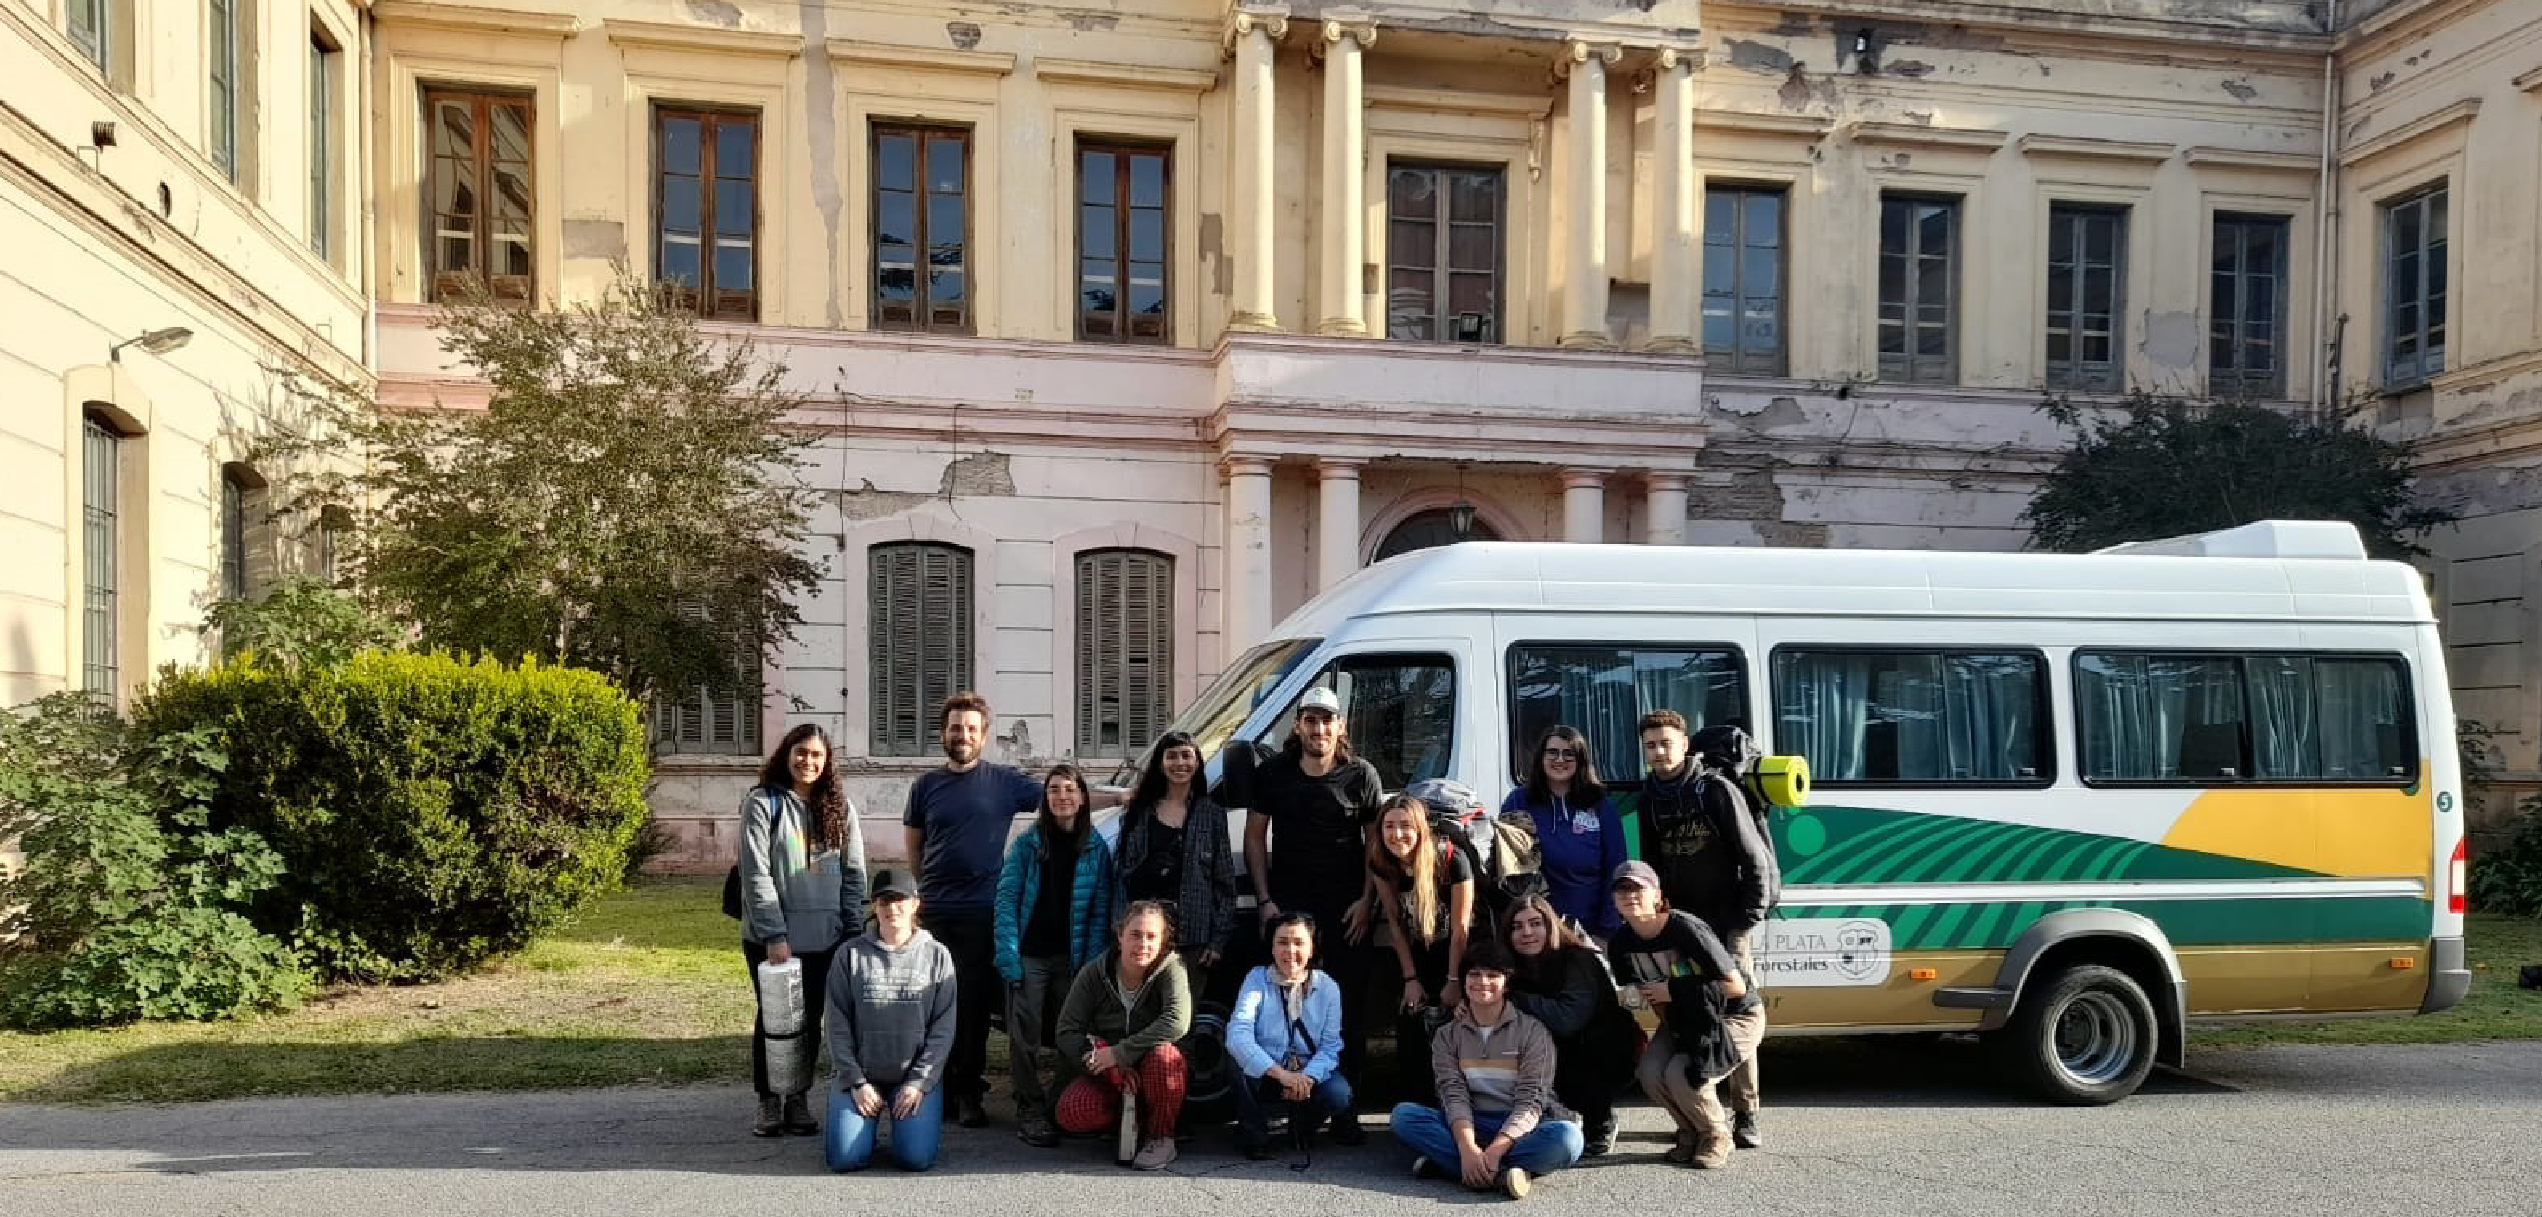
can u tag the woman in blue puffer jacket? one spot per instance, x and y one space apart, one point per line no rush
1054 914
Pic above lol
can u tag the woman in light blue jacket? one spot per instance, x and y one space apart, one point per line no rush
802 887
1054 916
1286 1039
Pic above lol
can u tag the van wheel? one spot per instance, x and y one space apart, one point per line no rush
2085 1037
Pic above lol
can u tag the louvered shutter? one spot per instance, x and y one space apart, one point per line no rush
700 720
1125 649
918 640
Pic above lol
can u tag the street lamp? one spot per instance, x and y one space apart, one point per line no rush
1461 512
157 342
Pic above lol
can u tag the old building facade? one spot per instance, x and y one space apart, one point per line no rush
1128 327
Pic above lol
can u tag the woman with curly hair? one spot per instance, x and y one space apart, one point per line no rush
802 882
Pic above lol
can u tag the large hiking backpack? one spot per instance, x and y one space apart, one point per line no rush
1502 850
1725 760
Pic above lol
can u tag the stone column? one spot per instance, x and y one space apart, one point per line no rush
1253 36
1584 255
1584 505
1248 593
1664 507
1345 192
1336 520
1676 246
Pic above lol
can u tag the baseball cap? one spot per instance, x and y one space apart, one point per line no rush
893 884
1320 698
1636 873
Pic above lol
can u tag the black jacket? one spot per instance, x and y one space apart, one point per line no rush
1733 882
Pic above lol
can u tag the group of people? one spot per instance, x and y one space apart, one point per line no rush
1514 1029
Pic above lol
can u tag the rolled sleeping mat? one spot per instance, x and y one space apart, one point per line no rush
790 1051
1784 780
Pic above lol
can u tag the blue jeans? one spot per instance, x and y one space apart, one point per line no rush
1331 1097
1550 1146
850 1141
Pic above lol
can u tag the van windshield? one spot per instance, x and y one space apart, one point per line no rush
1214 716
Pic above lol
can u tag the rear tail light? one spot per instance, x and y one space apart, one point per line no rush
2455 874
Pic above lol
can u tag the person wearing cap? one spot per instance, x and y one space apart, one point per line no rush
1498 1123
892 1001
1578 828
1710 1016
1313 817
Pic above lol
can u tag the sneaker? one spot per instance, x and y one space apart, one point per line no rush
772 1119
1157 1154
1743 1130
1423 1168
1515 1182
1126 1149
1683 1151
1714 1153
798 1117
1035 1129
970 1112
1346 1130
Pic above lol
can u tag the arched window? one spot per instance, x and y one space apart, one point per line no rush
1125 649
1425 529
917 638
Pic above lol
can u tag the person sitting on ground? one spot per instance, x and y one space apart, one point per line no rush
1116 1035
1286 1039
1054 916
1710 1020
1564 984
892 1005
1497 1122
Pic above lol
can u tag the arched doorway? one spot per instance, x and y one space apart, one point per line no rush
1422 530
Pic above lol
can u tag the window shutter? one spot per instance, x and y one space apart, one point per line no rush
918 639
700 720
1125 649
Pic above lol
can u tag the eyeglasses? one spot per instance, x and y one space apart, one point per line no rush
1562 754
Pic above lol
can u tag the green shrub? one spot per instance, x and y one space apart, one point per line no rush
431 813
129 903
2507 877
299 622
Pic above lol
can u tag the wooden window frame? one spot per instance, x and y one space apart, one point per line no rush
709 299
95 36
1123 151
2227 377
222 64
1910 366
1442 271
1739 359
1105 661
2431 291
900 687
2075 373
922 307
101 556
482 103
704 721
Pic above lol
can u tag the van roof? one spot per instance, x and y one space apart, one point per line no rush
2274 571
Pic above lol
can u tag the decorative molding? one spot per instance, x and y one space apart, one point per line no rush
2260 162
1353 24
1577 51
894 55
1914 135
2435 123
1123 75
431 14
2095 149
1271 19
667 36
1401 97
2530 82
1740 122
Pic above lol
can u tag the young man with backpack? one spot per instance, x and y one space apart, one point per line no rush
1715 861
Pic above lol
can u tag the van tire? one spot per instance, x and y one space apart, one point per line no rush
2084 1036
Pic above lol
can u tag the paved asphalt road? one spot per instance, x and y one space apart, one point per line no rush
1867 1128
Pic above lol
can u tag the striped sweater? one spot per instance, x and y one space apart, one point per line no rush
1504 1067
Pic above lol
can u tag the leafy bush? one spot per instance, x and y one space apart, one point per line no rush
129 904
433 813
301 622
2507 878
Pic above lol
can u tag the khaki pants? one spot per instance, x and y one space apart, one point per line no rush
1697 1108
1739 1091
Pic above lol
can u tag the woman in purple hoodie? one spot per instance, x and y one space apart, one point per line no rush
1576 825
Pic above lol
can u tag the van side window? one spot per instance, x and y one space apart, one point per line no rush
2214 719
1914 718
1399 712
1603 690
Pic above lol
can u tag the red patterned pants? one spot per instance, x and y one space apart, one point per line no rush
1093 1103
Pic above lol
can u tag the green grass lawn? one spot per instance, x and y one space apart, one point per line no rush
648 988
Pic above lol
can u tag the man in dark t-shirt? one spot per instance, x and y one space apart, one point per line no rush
955 830
1306 843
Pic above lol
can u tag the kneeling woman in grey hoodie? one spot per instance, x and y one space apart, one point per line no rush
891 1012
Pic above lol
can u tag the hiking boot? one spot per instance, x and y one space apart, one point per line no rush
1035 1129
1257 1151
1600 1141
1423 1168
1515 1182
1346 1130
1743 1130
798 1117
970 1112
772 1117
1713 1154
1156 1155
1683 1151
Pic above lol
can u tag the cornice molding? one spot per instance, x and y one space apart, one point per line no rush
1123 75
668 36
894 55
2090 148
473 19
1913 135
1741 122
2433 123
2260 162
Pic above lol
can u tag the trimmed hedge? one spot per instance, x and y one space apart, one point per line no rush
431 813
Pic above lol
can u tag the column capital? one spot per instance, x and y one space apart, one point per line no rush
1236 465
1359 27
1269 19
1581 477
1339 468
1579 51
1677 58
1659 481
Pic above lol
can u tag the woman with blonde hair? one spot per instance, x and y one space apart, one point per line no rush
1425 893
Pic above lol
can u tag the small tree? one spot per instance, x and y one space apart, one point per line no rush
2165 466
628 501
301 621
